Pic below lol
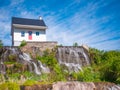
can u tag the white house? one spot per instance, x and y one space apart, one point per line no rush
30 30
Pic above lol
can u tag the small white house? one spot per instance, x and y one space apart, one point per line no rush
30 30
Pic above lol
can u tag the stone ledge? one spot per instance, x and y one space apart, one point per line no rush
43 42
37 48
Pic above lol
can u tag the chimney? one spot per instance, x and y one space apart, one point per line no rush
40 17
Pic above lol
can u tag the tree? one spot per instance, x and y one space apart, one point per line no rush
1 44
96 55
75 44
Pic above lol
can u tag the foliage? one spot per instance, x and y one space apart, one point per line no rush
107 63
28 74
9 63
60 45
87 74
29 82
105 67
44 77
14 76
75 44
96 55
31 76
110 71
1 44
57 74
9 86
23 43
48 58
12 58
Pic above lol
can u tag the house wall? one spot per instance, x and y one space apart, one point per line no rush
18 38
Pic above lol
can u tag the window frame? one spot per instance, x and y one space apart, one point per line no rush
22 33
37 33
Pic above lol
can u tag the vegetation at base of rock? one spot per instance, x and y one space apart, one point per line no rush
9 86
105 67
87 75
12 58
57 72
107 63
29 82
48 58
23 43
6 63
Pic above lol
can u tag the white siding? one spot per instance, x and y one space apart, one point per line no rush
18 38
17 43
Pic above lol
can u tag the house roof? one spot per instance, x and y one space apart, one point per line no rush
25 21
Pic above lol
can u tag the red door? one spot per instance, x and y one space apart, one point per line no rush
30 35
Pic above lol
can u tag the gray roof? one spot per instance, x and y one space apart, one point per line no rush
25 21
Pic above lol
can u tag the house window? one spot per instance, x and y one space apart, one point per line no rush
22 34
37 33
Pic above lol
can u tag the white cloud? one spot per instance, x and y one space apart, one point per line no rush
16 2
81 26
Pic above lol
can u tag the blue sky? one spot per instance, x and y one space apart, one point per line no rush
92 22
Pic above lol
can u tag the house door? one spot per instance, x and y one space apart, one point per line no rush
29 35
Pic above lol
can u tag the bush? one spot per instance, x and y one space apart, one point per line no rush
59 73
29 82
96 55
9 86
107 63
12 58
23 43
1 44
48 58
87 75
111 71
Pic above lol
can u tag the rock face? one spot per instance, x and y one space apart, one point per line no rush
37 87
16 61
85 86
37 48
73 57
74 86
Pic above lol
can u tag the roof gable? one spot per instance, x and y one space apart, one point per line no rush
25 21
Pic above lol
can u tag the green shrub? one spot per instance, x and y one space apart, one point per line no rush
23 43
14 76
1 44
29 82
59 74
6 63
9 86
96 55
110 71
12 58
48 58
44 77
107 63
31 76
87 75
28 75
